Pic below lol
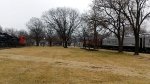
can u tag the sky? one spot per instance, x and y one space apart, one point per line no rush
16 13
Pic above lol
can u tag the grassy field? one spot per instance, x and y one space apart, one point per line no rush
56 65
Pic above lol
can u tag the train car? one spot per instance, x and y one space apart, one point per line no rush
145 42
7 40
2 40
129 43
110 43
22 40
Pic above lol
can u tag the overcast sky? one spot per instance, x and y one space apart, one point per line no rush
16 13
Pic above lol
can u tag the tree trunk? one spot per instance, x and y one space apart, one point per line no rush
66 44
120 38
136 52
120 47
95 36
50 43
63 43
37 43
84 43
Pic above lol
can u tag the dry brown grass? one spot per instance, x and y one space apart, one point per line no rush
56 65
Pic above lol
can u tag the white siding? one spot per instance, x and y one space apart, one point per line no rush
129 41
147 41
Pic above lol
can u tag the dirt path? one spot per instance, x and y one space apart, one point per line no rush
76 64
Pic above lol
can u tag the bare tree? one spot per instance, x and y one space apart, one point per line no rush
84 33
1 29
136 12
92 21
64 20
36 29
10 31
22 33
113 18
50 34
95 23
